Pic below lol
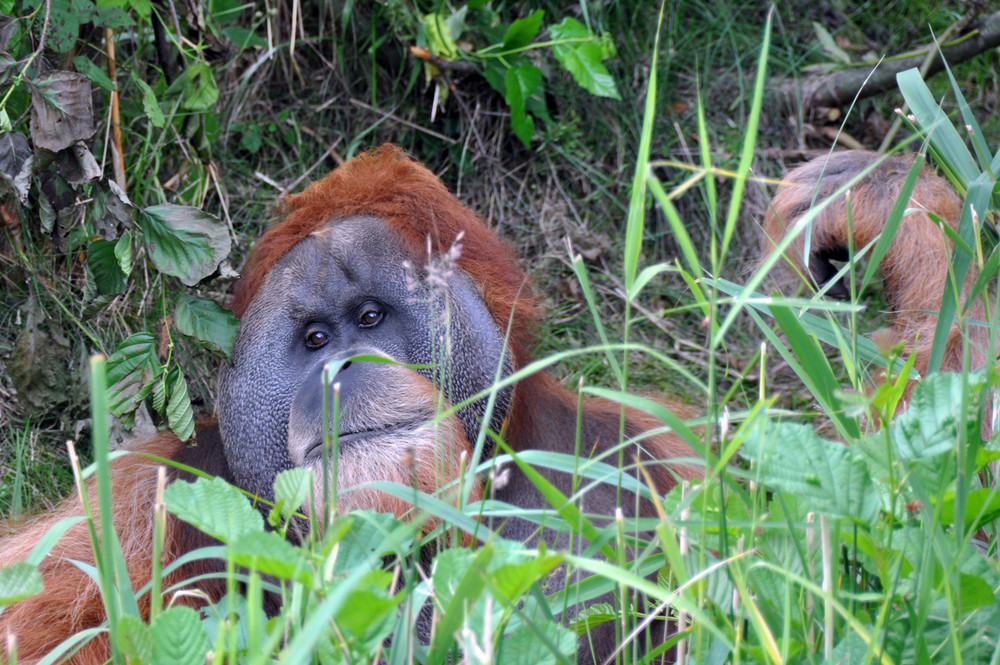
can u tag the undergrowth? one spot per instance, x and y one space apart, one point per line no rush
794 547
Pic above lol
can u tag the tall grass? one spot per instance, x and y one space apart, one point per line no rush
791 549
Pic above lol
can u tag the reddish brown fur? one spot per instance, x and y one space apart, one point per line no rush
388 184
432 459
915 268
71 601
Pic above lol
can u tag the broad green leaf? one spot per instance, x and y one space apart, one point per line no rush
523 30
215 507
226 11
291 488
104 268
123 252
132 369
372 535
368 616
456 22
18 581
96 75
109 16
207 321
243 38
583 59
535 639
269 553
135 640
591 617
178 638
521 83
512 580
150 106
458 581
141 7
199 89
439 36
929 427
827 475
180 415
183 241
65 19
981 507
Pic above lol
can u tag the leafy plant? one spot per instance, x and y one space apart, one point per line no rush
507 62
48 168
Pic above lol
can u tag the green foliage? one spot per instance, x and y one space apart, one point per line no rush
129 249
794 548
506 64
18 581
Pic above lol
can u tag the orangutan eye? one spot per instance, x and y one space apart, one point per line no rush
316 338
370 315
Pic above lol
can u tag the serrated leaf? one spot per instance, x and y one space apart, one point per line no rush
215 507
827 475
160 397
523 30
178 638
180 415
583 59
291 487
208 322
150 106
183 241
269 553
132 369
104 268
18 581
929 427
521 83
135 640
591 617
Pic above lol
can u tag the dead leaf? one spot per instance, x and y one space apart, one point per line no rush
61 110
16 160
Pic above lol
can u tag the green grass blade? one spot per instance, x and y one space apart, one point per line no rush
978 198
635 226
749 140
935 124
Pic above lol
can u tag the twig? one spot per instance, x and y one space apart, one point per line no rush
411 125
462 66
841 86
117 155
332 150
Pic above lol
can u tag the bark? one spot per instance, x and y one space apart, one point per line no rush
840 87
